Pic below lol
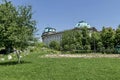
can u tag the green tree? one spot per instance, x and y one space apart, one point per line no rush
16 26
85 37
100 47
117 36
95 38
78 42
67 40
71 40
107 37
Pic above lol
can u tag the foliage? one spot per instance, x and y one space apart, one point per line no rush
78 39
110 51
85 36
117 36
71 40
40 45
82 51
54 45
95 41
99 46
83 39
16 26
107 37
87 47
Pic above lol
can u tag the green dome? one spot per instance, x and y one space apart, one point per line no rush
49 29
82 24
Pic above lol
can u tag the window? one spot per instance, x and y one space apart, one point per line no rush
46 30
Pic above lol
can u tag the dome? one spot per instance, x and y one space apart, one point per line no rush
49 29
82 24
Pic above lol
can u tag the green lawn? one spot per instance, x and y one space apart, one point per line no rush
35 68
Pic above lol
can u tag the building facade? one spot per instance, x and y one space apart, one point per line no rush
50 34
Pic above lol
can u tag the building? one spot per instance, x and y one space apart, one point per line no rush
50 34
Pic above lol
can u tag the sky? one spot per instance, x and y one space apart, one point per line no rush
65 14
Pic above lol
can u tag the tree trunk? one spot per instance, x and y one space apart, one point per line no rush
18 56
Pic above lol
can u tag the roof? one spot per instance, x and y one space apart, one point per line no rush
82 24
54 33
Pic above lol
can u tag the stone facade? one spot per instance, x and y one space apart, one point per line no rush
47 38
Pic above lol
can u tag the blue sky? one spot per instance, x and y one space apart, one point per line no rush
64 14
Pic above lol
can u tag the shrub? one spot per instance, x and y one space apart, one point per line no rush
110 51
40 45
87 47
54 45
72 46
66 48
100 47
82 51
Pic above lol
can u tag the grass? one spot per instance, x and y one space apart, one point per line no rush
35 68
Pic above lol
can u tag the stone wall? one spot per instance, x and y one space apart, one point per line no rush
52 37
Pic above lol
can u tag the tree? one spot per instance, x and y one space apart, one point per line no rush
78 42
100 47
71 40
107 37
67 40
77 39
16 26
117 36
85 37
95 38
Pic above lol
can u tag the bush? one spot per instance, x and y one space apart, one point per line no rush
52 52
66 47
82 51
109 51
72 46
40 45
54 45
100 47
87 47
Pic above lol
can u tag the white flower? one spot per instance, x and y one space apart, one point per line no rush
2 59
9 57
20 56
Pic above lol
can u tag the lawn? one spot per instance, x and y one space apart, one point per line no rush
34 67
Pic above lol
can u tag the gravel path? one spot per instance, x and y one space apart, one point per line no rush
81 55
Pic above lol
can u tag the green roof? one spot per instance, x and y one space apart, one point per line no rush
82 24
49 29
